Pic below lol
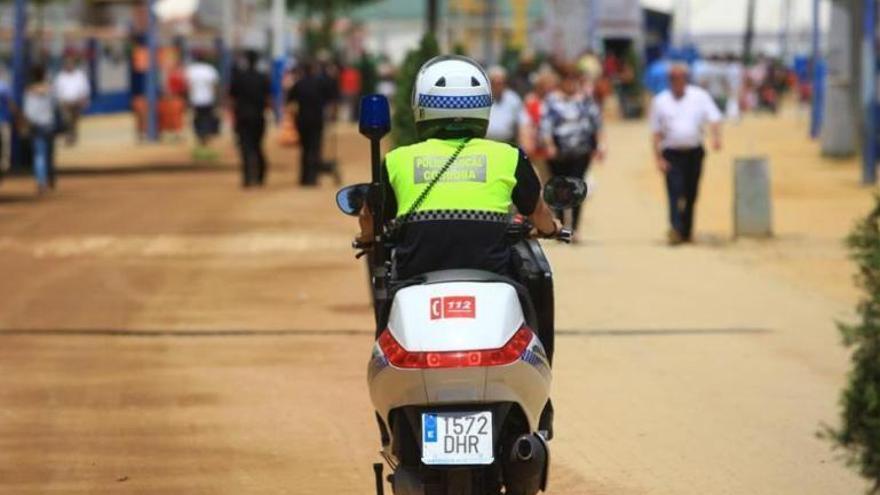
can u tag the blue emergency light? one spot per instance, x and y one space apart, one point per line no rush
375 120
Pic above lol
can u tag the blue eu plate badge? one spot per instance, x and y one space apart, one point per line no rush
430 422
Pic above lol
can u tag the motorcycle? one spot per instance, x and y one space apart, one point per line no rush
460 372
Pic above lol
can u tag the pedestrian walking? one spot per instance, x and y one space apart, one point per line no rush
310 96
506 108
250 93
202 83
530 118
174 100
678 118
571 127
39 125
72 91
350 84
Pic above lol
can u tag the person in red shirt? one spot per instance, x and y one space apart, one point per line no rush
174 101
350 89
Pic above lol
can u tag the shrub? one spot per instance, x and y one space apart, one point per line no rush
859 434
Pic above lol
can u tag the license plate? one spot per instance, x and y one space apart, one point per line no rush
457 438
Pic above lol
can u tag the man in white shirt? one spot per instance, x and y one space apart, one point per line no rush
678 117
72 90
202 80
506 109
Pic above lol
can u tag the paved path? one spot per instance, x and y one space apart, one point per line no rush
169 333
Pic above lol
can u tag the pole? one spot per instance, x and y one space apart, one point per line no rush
19 69
152 86
228 45
431 17
869 92
687 26
784 28
593 26
818 103
375 123
488 32
278 17
750 32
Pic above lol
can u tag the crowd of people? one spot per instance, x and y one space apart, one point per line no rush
552 110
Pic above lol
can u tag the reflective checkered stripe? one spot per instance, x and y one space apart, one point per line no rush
465 215
455 102
481 179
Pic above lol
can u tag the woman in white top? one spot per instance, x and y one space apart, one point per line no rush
73 92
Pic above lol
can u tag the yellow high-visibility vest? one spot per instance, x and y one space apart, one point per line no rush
482 178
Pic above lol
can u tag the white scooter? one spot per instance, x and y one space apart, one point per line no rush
459 377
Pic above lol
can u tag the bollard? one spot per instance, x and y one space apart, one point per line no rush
752 213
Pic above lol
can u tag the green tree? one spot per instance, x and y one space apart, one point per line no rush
859 434
328 11
403 129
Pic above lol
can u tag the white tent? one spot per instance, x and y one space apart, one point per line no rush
708 18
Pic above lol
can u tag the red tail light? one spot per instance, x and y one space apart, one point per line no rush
401 358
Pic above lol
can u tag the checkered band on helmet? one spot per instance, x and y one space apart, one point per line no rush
455 102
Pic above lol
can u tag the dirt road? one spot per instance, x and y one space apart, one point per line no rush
166 332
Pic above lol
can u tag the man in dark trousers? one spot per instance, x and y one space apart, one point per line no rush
678 116
310 95
250 92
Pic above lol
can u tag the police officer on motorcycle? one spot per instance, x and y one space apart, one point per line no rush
451 193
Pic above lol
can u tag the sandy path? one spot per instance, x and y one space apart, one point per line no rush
705 369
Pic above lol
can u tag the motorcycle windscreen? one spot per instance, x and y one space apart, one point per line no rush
455 316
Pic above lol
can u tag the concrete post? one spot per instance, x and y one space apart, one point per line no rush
752 213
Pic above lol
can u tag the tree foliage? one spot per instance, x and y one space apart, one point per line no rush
859 434
403 129
328 10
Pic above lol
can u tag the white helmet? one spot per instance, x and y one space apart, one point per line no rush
451 97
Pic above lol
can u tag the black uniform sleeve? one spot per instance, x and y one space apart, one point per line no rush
527 191
390 199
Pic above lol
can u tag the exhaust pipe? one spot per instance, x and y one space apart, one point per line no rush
524 449
525 467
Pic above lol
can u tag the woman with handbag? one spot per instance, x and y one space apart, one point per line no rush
571 127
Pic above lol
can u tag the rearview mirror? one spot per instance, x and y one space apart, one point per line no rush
562 193
351 199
